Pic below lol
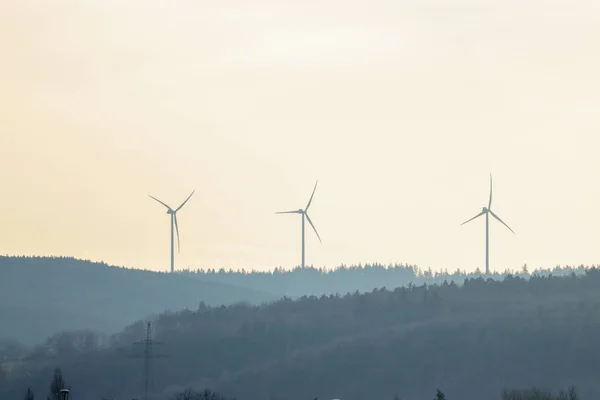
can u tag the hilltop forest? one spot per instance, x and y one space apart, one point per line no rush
472 341
299 281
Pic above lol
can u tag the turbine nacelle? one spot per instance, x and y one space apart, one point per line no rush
487 211
304 214
174 224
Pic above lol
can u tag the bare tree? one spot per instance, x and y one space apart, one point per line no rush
537 394
190 394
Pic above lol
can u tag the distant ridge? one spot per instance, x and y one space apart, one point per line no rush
40 296
344 279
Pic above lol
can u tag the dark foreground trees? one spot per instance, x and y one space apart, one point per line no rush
528 394
58 383
439 395
29 395
190 394
537 394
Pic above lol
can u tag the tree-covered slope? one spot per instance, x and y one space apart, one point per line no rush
472 341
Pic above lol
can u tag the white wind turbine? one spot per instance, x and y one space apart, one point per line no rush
304 213
174 227
488 210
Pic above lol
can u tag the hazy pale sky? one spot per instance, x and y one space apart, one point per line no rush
400 108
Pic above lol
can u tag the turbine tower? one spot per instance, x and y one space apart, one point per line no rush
304 213
487 211
174 227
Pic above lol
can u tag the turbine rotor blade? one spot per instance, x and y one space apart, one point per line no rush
490 203
478 215
315 229
177 230
288 212
311 196
186 200
498 218
152 197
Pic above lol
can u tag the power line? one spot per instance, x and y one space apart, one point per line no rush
148 355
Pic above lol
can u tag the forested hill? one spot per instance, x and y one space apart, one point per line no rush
40 296
347 279
472 341
43 295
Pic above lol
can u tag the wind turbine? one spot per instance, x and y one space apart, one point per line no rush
487 211
174 227
304 214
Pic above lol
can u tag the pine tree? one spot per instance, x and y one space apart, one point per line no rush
58 383
29 395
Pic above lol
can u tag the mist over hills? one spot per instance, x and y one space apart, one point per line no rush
472 341
40 296
44 295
